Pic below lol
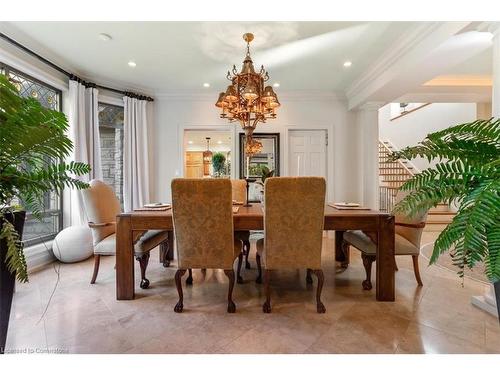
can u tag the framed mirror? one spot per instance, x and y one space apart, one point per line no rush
268 156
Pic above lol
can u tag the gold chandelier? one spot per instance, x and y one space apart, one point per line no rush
246 99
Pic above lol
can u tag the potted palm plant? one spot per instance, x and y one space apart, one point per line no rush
466 174
33 143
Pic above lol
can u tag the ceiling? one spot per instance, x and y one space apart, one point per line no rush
177 57
173 56
195 140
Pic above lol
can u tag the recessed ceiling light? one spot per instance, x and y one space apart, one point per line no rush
276 84
132 64
347 64
219 142
206 84
105 37
190 142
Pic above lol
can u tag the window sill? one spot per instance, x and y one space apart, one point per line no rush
39 255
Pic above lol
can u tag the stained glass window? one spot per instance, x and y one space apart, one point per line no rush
36 231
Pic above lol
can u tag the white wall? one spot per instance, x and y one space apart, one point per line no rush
298 111
410 129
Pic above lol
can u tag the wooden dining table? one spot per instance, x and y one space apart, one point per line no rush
380 225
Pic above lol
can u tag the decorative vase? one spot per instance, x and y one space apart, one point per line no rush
7 278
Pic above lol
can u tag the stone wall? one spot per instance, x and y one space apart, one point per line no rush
112 158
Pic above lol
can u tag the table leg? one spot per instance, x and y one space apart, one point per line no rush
385 259
124 259
340 254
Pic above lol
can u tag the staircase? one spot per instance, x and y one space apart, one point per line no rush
392 175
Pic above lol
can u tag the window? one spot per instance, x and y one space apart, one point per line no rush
36 231
111 134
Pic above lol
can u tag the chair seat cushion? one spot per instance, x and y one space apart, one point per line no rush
147 242
363 243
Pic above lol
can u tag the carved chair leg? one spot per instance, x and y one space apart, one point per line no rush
246 248
320 308
178 283
266 307
238 271
231 307
97 261
309 279
258 280
367 262
143 263
164 250
189 280
347 254
416 270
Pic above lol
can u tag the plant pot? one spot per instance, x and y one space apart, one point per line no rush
7 279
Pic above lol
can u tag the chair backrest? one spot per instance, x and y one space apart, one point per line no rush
414 235
239 188
101 206
203 222
293 222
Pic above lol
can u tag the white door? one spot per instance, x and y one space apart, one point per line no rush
307 153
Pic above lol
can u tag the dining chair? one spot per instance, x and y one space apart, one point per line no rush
203 224
408 235
239 193
101 207
293 230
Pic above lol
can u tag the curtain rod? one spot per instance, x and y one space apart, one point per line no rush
70 75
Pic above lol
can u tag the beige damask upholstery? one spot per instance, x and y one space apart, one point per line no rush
408 234
203 223
293 222
239 190
202 212
293 229
101 207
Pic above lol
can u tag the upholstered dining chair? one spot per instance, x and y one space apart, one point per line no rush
101 207
203 223
408 235
239 190
293 230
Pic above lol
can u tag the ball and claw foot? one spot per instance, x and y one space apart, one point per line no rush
367 285
258 280
189 280
231 307
320 308
166 263
239 280
266 308
344 265
179 307
309 279
144 284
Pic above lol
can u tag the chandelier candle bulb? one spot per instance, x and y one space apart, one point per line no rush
247 99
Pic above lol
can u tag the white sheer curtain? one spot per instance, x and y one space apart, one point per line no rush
135 154
84 132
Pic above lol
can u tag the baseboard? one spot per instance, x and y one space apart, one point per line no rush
39 255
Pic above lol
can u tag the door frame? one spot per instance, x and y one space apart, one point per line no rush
329 162
207 128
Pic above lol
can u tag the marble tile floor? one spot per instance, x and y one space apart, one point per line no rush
84 318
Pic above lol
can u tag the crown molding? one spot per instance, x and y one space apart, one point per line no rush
291 95
398 56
